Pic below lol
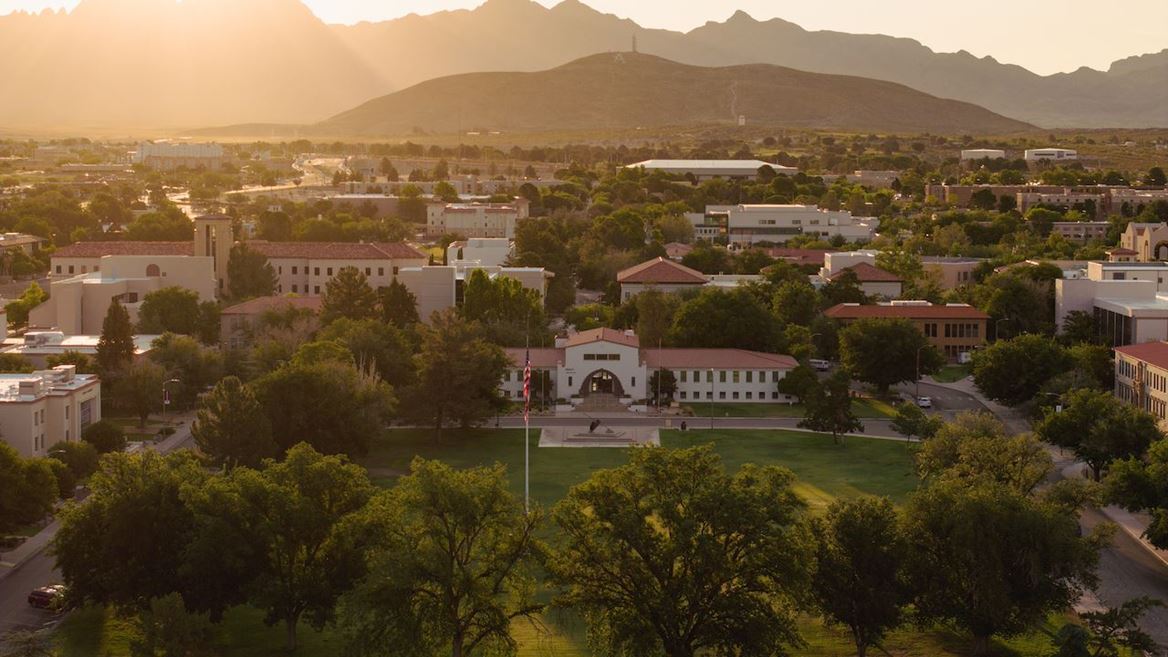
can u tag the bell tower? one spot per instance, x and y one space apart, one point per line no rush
214 238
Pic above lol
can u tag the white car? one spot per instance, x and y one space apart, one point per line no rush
925 402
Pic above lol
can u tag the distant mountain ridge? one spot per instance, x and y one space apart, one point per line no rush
142 64
630 90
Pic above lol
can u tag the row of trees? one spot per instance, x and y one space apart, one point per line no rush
669 554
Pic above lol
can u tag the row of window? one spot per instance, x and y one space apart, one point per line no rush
962 330
84 269
329 271
601 356
733 395
735 376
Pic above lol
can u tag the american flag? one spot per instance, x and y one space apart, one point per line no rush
526 385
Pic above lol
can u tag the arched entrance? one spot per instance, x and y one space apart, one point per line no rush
601 382
1161 251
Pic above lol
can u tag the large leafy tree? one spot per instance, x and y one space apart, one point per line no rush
1099 428
292 524
884 352
138 389
398 305
29 489
458 375
115 347
976 445
249 272
1141 484
171 309
858 580
672 555
911 421
382 346
231 427
125 544
510 314
829 407
454 565
348 295
196 367
795 302
1013 371
991 560
725 318
334 407
655 310
18 310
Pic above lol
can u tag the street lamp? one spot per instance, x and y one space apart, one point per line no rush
166 396
710 374
918 380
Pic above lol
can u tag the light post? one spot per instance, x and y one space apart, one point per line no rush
166 396
710 374
918 380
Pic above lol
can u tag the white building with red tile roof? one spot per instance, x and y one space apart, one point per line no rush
611 363
667 276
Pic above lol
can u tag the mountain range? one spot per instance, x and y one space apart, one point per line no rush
141 64
631 90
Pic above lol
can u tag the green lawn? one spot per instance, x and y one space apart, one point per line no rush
952 373
863 408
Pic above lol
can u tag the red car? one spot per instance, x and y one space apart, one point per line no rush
47 597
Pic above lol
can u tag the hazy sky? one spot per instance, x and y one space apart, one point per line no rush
1046 36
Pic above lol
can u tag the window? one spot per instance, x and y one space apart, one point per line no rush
734 376
721 394
58 269
569 382
683 375
775 395
316 289
735 394
70 269
774 376
330 271
381 271
722 376
506 375
380 268
748 394
368 271
683 394
280 270
316 271
749 376
293 269
634 384
294 290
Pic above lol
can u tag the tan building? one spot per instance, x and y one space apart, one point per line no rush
27 244
236 322
43 408
475 219
659 274
439 287
78 305
1141 377
954 329
950 273
1080 232
39 346
306 267
874 281
1148 241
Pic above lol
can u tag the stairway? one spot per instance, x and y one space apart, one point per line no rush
601 403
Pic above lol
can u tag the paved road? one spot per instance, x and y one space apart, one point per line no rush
41 570
1127 570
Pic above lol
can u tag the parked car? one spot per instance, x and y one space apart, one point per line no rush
47 597
819 365
925 402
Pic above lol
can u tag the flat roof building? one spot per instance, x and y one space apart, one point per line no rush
1050 154
709 169
755 223
46 407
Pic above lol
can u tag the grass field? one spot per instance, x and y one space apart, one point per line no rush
863 408
952 373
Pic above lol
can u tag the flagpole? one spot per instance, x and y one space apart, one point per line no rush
527 431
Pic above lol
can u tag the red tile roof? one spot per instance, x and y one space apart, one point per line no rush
128 248
603 334
334 250
716 359
867 273
660 270
263 304
857 311
1153 353
1119 250
541 357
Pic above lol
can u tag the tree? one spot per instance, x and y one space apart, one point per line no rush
911 421
115 347
1012 371
138 389
509 313
1099 428
294 519
671 555
1079 326
125 544
1141 484
79 456
167 627
398 305
17 311
195 366
801 382
348 295
1104 633
1156 177
655 311
15 363
991 560
662 385
383 346
249 272
843 288
82 362
455 565
829 407
976 446
29 489
716 318
858 569
458 375
884 352
795 302
231 427
105 436
336 408
170 309
27 643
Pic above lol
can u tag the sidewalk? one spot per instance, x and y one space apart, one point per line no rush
1014 420
1134 524
32 546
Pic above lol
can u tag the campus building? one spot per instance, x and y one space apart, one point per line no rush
439 287
1141 377
237 322
38 346
955 329
475 219
168 156
1050 155
667 276
46 407
1127 300
873 281
606 364
700 170
751 224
